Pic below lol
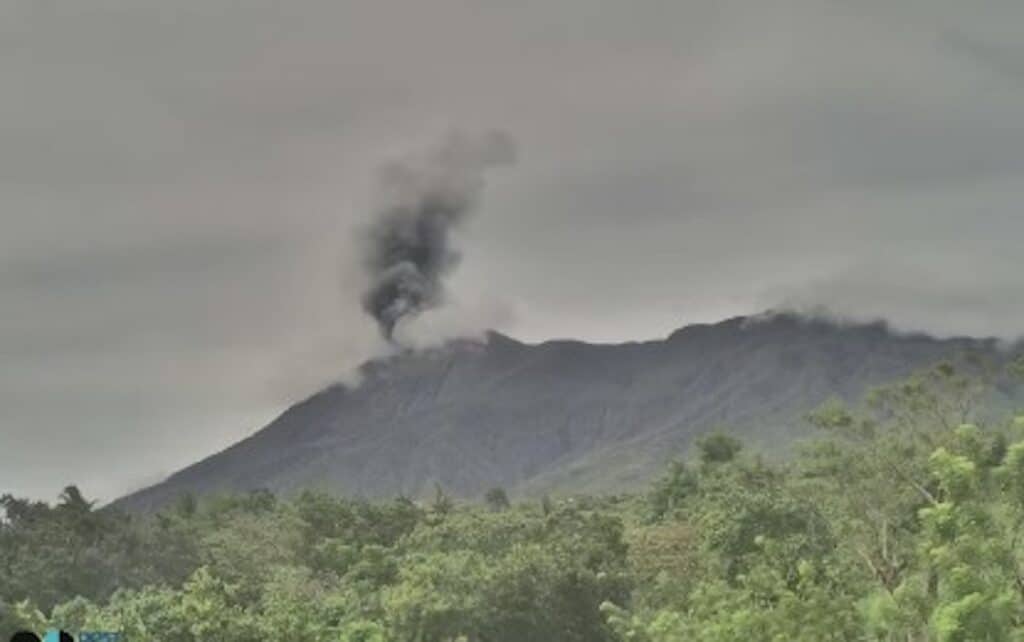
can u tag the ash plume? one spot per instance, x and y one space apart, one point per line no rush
408 249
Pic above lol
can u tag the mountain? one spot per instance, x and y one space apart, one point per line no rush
561 415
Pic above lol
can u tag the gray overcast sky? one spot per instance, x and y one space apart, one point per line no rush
180 183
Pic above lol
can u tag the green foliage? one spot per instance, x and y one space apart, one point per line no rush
443 504
903 522
1016 367
497 499
718 448
671 491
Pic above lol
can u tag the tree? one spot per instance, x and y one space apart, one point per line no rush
900 523
443 504
1016 367
671 490
496 499
718 448
546 505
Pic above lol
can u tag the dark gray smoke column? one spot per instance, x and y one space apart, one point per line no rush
408 249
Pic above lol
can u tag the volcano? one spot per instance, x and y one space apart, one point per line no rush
560 416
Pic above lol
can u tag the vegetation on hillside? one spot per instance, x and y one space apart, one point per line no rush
903 521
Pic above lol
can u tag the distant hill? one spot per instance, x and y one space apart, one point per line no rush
562 416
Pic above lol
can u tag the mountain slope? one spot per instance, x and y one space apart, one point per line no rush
561 415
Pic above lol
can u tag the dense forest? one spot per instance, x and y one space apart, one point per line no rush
902 520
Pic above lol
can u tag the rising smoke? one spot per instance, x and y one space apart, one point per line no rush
408 248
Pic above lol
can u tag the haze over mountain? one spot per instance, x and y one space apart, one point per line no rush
561 415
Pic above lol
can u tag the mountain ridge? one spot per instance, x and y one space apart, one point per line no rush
559 415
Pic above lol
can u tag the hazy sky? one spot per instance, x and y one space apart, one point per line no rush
180 183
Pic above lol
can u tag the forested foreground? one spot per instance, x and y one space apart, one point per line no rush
903 521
